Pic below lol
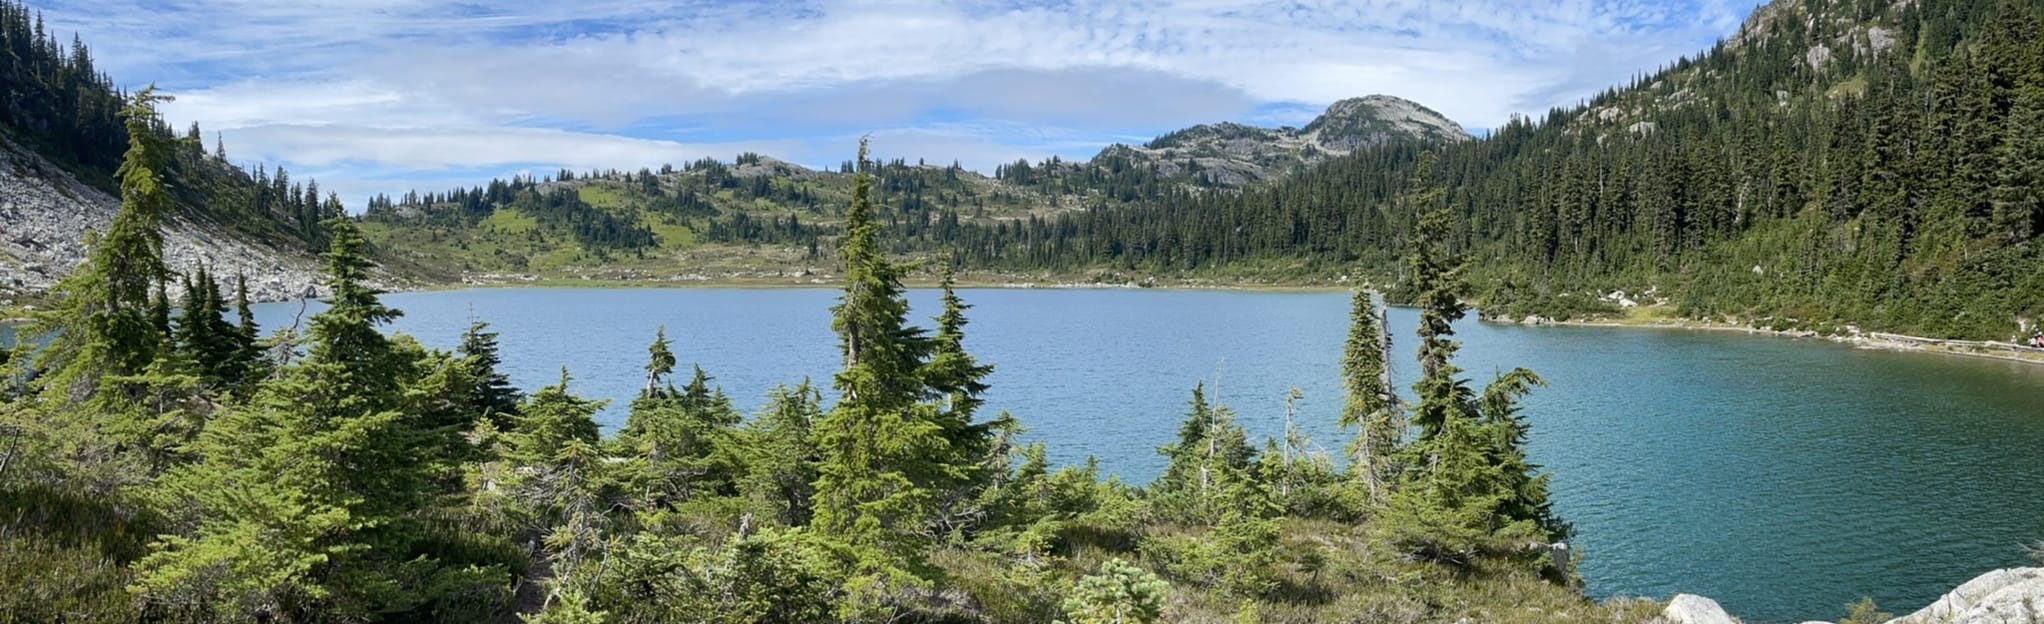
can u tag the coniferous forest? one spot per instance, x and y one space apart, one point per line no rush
191 467
165 459
1835 163
1891 184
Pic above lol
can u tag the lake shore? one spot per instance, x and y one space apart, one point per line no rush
966 280
1862 340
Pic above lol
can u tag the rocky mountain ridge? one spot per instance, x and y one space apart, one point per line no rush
1229 153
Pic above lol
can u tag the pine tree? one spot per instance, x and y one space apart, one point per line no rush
247 349
779 460
304 503
956 380
492 395
159 315
677 440
1369 406
1466 490
2018 196
563 478
881 448
659 364
1211 469
108 327
1435 279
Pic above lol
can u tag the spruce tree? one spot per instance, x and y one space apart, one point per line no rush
1368 405
1211 469
881 447
780 461
2018 196
492 394
677 441
110 323
192 339
957 380
659 364
305 503
248 350
562 477
1466 490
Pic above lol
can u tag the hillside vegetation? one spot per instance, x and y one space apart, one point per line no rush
178 468
759 216
62 142
1836 162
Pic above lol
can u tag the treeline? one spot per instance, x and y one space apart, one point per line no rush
172 468
62 107
1841 161
924 206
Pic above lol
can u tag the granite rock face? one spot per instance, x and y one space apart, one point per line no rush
2010 596
45 214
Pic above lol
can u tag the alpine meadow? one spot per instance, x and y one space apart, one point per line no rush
208 413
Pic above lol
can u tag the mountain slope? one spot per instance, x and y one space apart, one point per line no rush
61 140
48 213
757 216
1233 154
1836 163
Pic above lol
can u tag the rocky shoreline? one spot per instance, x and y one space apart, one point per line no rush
1848 336
2007 596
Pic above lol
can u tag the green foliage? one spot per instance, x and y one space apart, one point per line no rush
1467 492
779 459
890 459
1211 472
1864 612
775 576
302 502
680 442
367 478
1369 406
1120 594
491 393
1237 555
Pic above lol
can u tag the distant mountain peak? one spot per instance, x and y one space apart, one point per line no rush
1373 120
1233 153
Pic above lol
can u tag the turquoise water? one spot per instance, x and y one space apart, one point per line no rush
1783 478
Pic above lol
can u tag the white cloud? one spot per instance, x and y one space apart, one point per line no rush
440 84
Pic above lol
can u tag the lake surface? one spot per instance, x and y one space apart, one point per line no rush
1783 478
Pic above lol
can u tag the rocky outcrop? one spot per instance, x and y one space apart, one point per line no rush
2011 596
1232 153
1692 609
45 214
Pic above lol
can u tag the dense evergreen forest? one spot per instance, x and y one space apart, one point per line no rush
1837 162
1840 161
59 106
170 467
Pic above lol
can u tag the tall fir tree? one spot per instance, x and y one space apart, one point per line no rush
881 447
1466 491
1368 404
957 379
108 327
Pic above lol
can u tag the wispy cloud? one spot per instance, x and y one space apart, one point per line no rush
361 88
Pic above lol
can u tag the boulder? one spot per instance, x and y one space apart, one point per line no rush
1694 609
2010 596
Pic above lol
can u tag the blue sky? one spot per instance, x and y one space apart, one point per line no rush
387 95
